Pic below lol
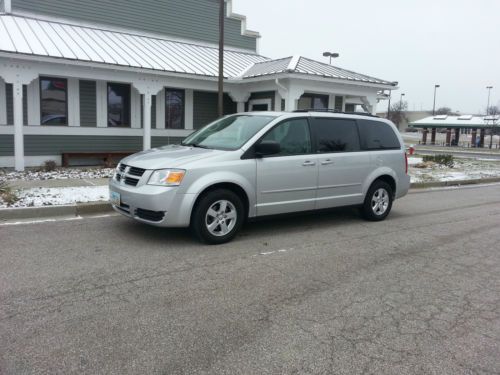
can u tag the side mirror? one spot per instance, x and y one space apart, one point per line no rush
267 148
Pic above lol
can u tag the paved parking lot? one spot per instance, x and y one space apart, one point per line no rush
317 294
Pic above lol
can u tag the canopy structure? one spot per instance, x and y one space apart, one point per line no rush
457 123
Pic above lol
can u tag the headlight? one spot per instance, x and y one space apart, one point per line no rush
167 177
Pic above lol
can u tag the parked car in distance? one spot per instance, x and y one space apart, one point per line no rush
257 164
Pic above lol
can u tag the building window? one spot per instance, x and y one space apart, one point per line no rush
174 109
118 105
313 101
53 101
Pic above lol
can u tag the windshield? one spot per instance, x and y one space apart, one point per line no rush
228 133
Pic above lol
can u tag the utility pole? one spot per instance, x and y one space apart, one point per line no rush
389 106
220 103
434 105
487 113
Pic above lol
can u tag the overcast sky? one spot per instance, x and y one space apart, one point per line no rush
419 43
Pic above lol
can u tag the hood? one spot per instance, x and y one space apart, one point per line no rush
171 156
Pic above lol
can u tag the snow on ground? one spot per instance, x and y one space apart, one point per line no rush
58 174
464 169
59 196
412 160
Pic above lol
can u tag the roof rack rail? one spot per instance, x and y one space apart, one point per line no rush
329 110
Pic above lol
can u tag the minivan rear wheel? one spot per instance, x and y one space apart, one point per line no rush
218 216
378 201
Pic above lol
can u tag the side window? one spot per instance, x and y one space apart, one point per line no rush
377 135
293 137
336 135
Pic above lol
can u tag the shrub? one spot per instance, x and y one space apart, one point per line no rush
7 194
49 165
446 160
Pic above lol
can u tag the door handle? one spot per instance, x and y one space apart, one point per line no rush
308 163
327 161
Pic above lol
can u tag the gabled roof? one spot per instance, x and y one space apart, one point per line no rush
303 65
30 36
463 121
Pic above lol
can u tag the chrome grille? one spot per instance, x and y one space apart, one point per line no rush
129 175
134 171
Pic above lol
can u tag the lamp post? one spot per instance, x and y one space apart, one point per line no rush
220 101
400 107
434 105
389 105
330 55
488 105
487 113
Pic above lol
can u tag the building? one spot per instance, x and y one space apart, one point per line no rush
457 125
82 76
409 117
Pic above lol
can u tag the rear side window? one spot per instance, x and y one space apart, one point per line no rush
377 135
336 135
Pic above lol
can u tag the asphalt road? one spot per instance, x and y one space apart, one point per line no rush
317 294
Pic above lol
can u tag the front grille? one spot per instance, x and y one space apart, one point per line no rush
124 207
149 215
131 181
122 167
134 171
118 177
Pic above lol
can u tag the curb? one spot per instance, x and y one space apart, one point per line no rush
424 185
52 211
91 208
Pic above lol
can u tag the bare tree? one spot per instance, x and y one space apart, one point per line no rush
443 111
493 110
398 113
495 130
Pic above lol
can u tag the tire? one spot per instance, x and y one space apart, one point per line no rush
217 217
378 201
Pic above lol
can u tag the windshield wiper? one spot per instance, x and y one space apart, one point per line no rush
195 145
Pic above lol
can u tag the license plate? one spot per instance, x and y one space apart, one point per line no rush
114 198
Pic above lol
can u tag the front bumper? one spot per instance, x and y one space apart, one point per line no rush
156 205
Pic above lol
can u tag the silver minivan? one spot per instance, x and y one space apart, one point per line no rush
257 164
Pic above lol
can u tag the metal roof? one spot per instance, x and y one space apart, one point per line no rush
463 121
30 36
303 65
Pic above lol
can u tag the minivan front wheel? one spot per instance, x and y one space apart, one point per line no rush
378 201
217 217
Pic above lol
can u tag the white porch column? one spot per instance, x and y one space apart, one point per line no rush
147 88
240 97
146 113
291 93
188 109
18 126
277 101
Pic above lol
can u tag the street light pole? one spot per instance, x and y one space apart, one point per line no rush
330 55
488 105
487 113
400 107
389 105
220 102
434 105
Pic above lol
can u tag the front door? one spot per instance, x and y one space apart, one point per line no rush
342 165
286 182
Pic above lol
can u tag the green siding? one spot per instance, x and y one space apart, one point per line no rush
88 109
57 144
339 100
205 107
190 19
262 95
10 103
6 145
163 141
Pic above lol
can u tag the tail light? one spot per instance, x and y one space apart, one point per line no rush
406 163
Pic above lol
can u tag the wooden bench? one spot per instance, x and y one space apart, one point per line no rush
106 157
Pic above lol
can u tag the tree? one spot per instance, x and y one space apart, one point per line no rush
443 111
493 110
398 113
